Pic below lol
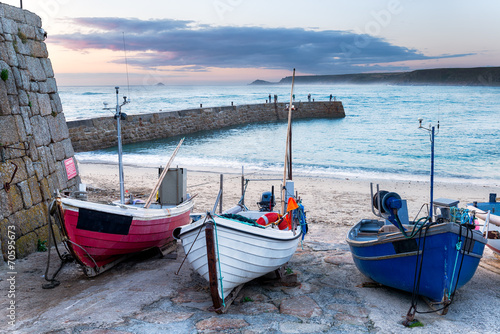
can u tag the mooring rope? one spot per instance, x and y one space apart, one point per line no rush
218 261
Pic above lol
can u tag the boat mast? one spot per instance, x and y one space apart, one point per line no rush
119 116
432 132
288 150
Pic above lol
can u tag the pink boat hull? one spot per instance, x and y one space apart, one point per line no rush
99 236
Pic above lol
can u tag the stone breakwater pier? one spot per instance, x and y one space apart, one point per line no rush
97 133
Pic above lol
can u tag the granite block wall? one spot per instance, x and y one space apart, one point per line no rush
35 146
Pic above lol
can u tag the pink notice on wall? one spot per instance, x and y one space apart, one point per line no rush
70 168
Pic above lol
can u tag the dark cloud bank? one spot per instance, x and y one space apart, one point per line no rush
157 43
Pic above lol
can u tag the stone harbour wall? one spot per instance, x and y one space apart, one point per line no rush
97 133
34 137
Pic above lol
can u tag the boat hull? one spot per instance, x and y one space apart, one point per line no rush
99 234
391 259
243 252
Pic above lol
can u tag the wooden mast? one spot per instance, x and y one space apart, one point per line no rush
162 176
288 150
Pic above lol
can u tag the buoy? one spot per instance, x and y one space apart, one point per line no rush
268 218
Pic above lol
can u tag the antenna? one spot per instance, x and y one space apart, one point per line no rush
126 64
432 133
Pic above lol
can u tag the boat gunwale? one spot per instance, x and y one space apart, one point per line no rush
198 225
128 210
381 238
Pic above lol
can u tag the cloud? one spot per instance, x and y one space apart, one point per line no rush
155 44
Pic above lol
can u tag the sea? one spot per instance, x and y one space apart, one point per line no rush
381 136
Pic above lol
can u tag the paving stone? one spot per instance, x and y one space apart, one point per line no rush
163 317
220 324
303 307
253 308
104 331
294 327
351 319
349 309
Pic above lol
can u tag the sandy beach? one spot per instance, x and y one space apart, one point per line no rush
145 296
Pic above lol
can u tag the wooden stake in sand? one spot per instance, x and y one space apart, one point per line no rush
162 176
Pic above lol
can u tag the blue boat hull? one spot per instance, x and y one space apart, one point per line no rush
391 259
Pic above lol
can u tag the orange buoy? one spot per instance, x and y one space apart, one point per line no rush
268 218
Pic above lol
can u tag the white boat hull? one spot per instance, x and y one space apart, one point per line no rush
243 252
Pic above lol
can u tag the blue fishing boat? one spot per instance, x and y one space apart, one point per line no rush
434 258
431 257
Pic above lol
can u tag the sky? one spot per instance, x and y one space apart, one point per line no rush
238 41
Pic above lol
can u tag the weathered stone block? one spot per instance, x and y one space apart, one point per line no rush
26 30
61 175
25 114
41 132
14 13
26 194
14 104
51 161
35 69
33 19
47 67
38 168
45 190
5 205
34 87
33 103
53 183
8 130
21 173
38 49
20 127
44 104
43 160
28 163
9 26
56 100
14 201
23 97
22 62
4 100
36 195
58 150
68 148
51 89
58 129
26 245
25 77
10 84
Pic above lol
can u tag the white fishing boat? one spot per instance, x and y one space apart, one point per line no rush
229 250
235 247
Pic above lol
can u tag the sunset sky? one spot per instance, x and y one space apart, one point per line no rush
238 41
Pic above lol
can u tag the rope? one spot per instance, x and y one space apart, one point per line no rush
65 258
218 261
410 316
189 251
457 213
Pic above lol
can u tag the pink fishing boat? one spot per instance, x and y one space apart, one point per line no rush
98 235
